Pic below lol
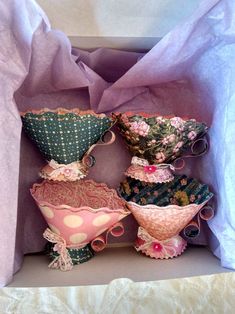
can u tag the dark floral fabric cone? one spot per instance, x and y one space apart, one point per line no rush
181 191
158 139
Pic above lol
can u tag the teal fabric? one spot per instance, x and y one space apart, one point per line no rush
163 194
78 256
64 137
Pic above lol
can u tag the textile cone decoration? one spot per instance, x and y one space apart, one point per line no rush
66 138
78 213
156 142
162 211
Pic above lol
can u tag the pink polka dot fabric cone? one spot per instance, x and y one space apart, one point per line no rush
156 142
79 212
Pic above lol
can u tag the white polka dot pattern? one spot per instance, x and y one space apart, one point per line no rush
47 212
101 220
73 221
64 138
77 238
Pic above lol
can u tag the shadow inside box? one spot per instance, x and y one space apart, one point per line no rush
117 262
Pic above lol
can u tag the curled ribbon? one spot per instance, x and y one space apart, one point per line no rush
89 160
179 163
192 230
63 261
99 243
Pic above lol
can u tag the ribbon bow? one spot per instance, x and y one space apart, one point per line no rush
149 168
63 261
168 248
146 237
73 171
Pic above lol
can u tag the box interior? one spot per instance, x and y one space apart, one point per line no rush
117 262
122 261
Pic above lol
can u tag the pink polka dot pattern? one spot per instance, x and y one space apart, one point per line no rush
79 224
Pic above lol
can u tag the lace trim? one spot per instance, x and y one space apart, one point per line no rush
154 248
63 111
46 193
63 261
143 171
64 172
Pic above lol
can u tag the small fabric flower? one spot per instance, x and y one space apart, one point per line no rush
168 139
125 119
160 120
160 157
150 169
192 135
181 198
183 182
136 189
177 147
177 122
140 127
192 198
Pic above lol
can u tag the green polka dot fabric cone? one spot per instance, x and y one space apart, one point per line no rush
66 139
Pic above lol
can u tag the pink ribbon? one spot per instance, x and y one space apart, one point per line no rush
192 230
159 249
99 243
179 163
63 261
101 142
144 163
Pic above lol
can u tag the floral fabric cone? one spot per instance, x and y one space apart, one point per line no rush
158 139
163 210
156 142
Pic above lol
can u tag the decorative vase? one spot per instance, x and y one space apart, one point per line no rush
157 142
66 138
77 214
162 211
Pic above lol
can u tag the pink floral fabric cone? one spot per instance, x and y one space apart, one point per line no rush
163 210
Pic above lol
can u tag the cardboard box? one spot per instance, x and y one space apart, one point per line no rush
78 21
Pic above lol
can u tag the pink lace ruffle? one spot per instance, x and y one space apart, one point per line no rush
61 172
154 248
141 170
